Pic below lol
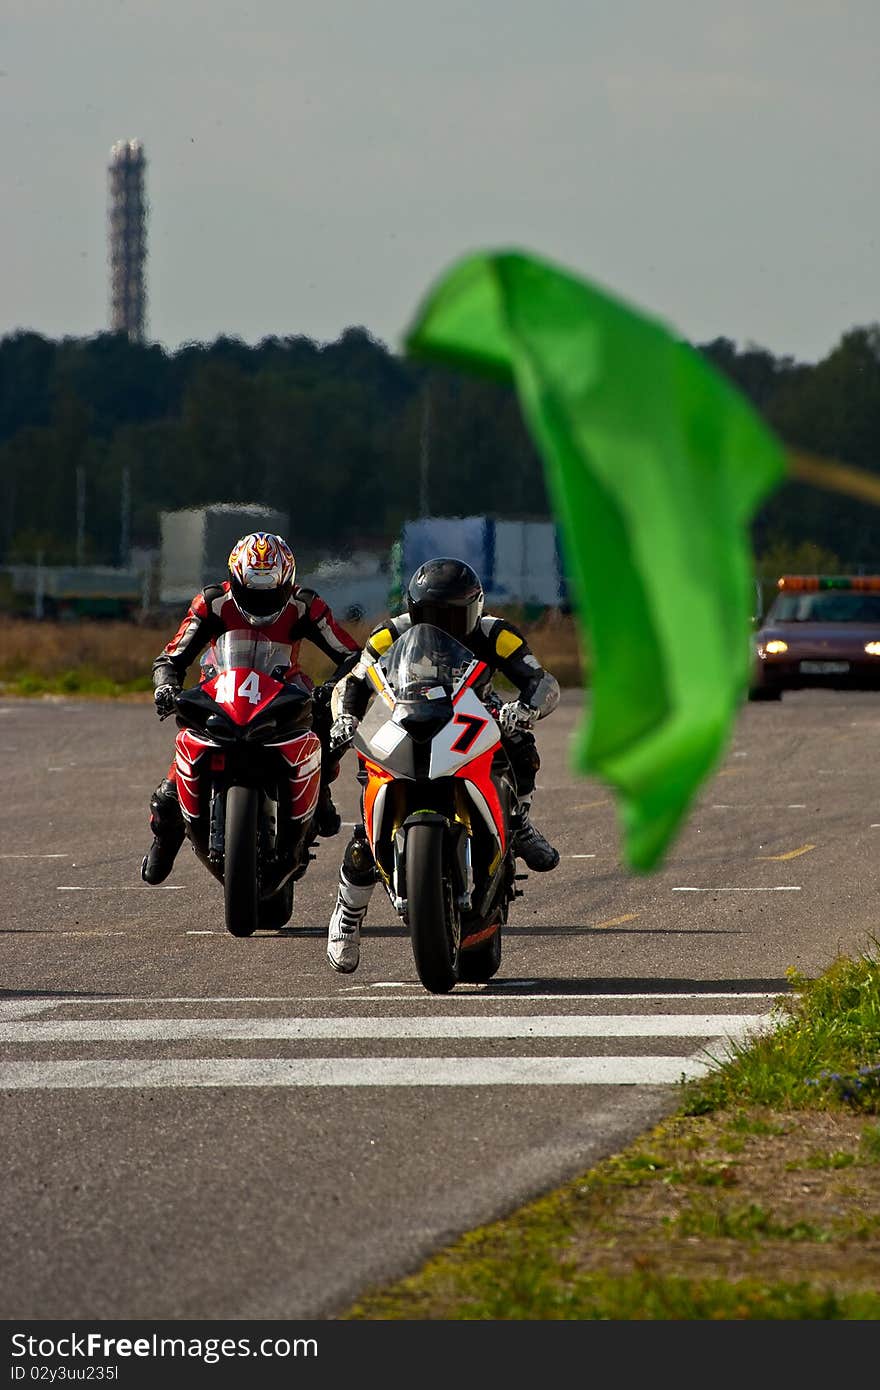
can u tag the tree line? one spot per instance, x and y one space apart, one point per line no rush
351 440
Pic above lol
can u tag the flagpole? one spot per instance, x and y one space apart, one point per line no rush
836 477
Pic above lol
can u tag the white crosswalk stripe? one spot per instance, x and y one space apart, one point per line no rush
20 1030
306 1029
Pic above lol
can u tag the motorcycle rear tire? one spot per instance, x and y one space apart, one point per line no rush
480 963
240 890
429 909
276 910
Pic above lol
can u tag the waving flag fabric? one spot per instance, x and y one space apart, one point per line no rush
654 466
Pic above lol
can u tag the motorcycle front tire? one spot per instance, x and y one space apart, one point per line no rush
429 909
240 889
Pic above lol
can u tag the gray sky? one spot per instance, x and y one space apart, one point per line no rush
317 163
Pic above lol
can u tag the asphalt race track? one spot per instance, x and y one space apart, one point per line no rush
199 1127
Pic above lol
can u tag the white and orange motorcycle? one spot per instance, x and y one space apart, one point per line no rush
439 794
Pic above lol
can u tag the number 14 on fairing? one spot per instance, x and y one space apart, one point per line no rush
248 690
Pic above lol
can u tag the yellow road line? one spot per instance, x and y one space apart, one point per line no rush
616 921
792 853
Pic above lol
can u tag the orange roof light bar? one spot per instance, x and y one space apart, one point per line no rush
811 582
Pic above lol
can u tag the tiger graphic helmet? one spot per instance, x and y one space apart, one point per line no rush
262 570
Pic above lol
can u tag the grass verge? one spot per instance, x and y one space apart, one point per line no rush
759 1198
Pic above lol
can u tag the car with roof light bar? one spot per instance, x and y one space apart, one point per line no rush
820 630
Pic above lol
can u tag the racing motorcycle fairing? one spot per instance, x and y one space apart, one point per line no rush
429 753
245 725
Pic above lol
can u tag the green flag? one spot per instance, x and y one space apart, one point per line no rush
654 466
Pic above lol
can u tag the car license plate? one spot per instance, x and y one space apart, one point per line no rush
824 668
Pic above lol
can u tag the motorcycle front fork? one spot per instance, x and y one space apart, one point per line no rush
463 900
217 826
217 823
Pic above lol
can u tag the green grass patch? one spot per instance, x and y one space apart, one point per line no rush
827 1163
824 1051
82 680
869 1151
749 1222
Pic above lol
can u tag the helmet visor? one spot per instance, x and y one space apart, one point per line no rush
459 620
261 603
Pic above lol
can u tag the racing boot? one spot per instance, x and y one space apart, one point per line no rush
358 877
529 844
327 819
344 932
166 823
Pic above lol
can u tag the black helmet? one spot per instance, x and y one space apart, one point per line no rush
448 594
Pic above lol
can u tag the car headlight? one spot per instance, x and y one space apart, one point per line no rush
872 648
775 647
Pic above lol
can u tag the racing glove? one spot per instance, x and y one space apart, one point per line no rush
515 716
165 697
342 730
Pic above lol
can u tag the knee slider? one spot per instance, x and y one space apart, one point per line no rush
523 753
358 863
165 813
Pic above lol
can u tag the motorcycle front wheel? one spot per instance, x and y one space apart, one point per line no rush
240 891
432 927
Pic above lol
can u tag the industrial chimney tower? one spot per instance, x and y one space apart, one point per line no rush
128 239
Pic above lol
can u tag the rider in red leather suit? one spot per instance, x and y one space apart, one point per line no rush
261 592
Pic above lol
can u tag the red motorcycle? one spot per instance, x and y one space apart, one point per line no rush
248 777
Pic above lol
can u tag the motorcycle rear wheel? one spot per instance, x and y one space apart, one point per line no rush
240 891
480 963
429 909
275 911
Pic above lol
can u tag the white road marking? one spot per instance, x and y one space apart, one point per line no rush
582 856
779 888
90 933
23 1008
202 932
121 888
436 1026
74 767
34 856
354 1071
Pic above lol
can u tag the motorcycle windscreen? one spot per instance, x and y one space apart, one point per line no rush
426 663
246 650
426 673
